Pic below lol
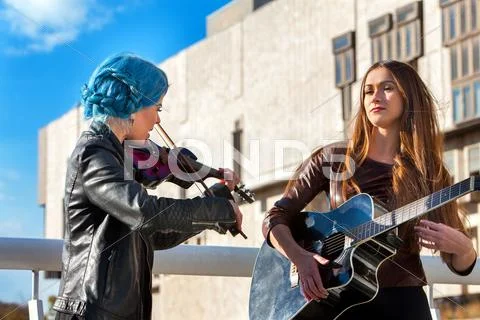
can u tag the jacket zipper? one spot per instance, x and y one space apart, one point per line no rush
210 223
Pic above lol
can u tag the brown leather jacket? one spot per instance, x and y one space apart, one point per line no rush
374 178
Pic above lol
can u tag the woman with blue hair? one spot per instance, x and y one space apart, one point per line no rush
112 224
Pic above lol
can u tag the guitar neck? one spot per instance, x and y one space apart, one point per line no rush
416 209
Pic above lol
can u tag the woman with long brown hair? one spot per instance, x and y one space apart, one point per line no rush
395 155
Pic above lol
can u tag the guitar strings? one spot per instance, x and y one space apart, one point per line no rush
389 220
410 210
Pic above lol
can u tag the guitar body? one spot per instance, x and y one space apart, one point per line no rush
275 293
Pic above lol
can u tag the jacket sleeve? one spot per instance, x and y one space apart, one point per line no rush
106 187
308 181
162 241
465 272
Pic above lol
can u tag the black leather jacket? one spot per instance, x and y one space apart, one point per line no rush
112 227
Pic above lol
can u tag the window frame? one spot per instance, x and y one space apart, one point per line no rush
400 38
447 6
413 19
380 33
343 47
343 53
461 79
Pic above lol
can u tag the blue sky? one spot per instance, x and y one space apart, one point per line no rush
48 49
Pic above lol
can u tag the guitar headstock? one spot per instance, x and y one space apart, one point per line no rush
245 193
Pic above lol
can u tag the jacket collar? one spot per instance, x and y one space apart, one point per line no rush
100 128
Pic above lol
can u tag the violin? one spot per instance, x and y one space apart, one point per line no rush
178 166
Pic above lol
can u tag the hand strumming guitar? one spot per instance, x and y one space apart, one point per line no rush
310 280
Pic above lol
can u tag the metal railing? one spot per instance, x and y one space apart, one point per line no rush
46 255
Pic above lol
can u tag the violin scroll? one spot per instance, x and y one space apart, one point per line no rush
244 193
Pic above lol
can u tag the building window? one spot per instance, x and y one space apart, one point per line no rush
380 31
237 145
400 39
459 19
461 33
466 101
344 51
409 31
456 105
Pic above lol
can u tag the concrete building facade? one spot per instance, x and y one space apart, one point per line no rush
277 79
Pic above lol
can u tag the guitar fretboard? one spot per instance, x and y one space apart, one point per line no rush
415 209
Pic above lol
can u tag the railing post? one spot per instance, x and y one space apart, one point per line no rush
35 307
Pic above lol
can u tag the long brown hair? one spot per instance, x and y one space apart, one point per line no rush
418 168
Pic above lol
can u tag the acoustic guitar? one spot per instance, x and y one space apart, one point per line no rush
355 243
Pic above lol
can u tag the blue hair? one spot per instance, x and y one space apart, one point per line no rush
121 85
